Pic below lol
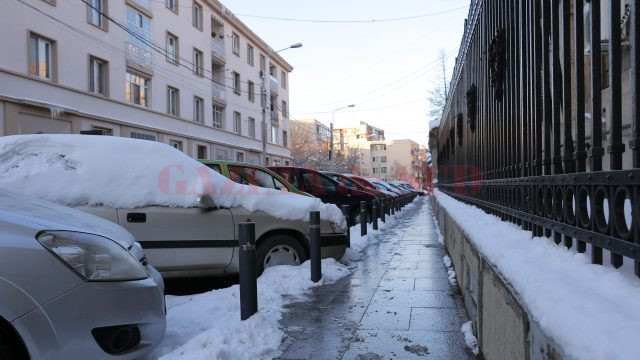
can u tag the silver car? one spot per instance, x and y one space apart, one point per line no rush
73 286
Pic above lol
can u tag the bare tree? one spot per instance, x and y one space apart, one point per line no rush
308 153
438 93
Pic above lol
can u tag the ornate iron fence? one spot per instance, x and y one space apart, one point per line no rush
541 122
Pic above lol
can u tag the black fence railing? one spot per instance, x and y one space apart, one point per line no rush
541 122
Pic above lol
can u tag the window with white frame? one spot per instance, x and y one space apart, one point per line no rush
198 109
383 170
138 38
95 11
97 76
250 91
197 16
172 48
237 122
202 152
222 154
173 101
142 136
283 79
137 89
218 116
274 135
252 127
249 54
172 5
198 62
236 83
235 43
239 157
41 57
176 144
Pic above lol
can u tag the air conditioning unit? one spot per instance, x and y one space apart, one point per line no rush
625 12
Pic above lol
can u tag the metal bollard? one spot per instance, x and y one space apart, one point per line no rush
374 214
363 218
314 246
393 207
382 210
345 212
248 275
387 207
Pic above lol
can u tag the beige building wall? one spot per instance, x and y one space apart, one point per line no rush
312 129
63 102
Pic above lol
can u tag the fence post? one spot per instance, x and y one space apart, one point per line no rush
363 218
374 214
345 212
314 246
248 275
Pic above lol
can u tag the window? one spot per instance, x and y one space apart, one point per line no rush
274 135
383 159
176 144
284 138
201 151
97 76
218 117
137 135
383 170
104 130
237 122
197 16
286 163
236 83
137 89
252 127
375 170
283 79
222 154
198 109
173 101
239 157
266 162
284 110
172 48
263 64
198 63
138 38
235 43
378 147
95 11
250 91
41 57
249 54
172 5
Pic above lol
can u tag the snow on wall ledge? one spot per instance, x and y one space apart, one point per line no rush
129 173
590 311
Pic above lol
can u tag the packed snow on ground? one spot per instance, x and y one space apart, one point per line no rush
207 326
469 338
128 173
451 274
591 311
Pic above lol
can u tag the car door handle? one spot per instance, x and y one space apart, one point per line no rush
136 217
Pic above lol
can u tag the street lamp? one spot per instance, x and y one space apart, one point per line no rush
293 46
333 116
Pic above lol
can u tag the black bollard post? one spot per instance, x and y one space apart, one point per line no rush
314 234
387 206
382 210
374 214
363 218
393 206
345 212
247 264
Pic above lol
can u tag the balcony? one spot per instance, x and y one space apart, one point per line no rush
275 119
219 92
273 84
217 49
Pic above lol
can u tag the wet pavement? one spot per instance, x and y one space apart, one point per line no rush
397 304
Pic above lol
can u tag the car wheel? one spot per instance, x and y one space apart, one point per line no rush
279 250
10 349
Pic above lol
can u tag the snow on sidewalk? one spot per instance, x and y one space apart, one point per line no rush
591 311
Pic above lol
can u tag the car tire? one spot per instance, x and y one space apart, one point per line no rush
10 348
281 250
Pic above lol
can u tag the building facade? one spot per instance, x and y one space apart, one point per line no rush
312 129
348 136
186 73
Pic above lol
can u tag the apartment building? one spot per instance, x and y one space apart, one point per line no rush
312 129
184 72
346 136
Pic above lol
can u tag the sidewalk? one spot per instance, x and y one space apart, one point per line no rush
397 304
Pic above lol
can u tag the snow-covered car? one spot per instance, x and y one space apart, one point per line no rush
73 286
382 185
184 214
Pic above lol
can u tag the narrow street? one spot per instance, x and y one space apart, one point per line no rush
397 304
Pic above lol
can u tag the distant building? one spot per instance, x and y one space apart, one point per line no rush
350 137
185 73
312 129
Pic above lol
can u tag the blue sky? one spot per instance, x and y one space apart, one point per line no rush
386 68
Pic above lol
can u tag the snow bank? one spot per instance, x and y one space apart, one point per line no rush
591 311
469 338
129 173
207 326
451 274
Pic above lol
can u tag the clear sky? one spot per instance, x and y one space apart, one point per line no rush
385 68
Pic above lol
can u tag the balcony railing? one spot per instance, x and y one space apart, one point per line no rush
275 119
273 83
217 49
219 91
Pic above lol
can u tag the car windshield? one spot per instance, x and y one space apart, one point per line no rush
252 176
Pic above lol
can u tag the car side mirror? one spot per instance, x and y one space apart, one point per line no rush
205 202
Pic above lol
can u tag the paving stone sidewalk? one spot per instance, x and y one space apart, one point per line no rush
397 304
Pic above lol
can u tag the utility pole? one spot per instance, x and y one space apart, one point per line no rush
263 102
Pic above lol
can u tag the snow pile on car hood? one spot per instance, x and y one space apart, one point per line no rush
128 173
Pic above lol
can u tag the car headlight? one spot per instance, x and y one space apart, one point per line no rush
93 257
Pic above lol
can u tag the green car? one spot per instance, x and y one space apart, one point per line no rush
249 174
